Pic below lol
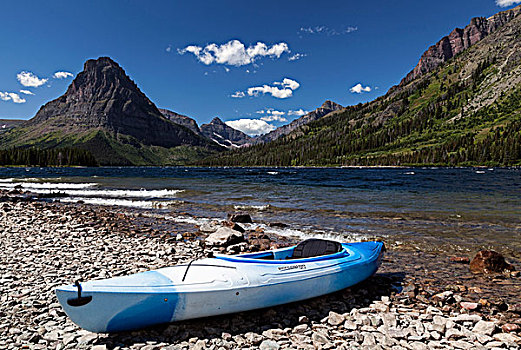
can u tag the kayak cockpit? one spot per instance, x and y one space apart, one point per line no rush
308 250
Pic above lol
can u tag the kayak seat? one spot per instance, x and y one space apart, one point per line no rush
315 247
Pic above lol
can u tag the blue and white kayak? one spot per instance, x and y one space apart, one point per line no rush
220 285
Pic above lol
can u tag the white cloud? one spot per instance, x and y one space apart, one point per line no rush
11 96
238 94
506 3
251 127
168 48
62 75
296 56
272 115
30 80
234 52
274 118
298 112
287 86
358 89
26 92
329 31
272 90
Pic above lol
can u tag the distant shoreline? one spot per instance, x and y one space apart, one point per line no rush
276 166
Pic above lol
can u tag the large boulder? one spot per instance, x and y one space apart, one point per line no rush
240 217
224 237
489 261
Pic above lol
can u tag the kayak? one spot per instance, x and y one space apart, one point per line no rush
219 285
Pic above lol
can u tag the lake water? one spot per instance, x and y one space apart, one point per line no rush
450 210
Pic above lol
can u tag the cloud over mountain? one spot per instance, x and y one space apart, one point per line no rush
251 127
506 3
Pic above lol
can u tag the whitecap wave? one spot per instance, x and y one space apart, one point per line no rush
80 189
191 220
252 207
45 185
305 234
122 202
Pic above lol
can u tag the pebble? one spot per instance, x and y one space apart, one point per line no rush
484 327
269 345
46 244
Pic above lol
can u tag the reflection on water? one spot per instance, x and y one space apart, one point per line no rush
433 209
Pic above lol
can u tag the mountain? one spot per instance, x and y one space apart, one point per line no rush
460 106
224 135
103 111
458 41
181 120
326 108
7 124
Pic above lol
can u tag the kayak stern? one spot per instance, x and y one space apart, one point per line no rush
118 304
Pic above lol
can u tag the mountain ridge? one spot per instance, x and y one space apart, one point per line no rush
326 108
458 41
465 111
224 135
105 112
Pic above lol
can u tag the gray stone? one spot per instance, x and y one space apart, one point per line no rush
416 345
335 319
350 325
200 344
301 328
460 344
303 319
224 236
453 333
99 347
507 338
269 345
484 328
319 338
369 340
274 334
466 318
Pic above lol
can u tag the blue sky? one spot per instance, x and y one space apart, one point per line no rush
232 59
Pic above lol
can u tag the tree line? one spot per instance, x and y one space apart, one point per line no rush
47 157
427 122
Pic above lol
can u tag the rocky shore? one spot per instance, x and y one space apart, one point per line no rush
415 301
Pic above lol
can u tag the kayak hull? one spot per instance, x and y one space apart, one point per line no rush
215 286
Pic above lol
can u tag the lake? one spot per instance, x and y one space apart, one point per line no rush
433 209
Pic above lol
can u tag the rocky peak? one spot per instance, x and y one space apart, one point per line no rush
103 78
458 41
326 108
181 120
331 105
217 121
103 97
224 135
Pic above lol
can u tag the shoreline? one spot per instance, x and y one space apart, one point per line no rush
413 305
417 166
